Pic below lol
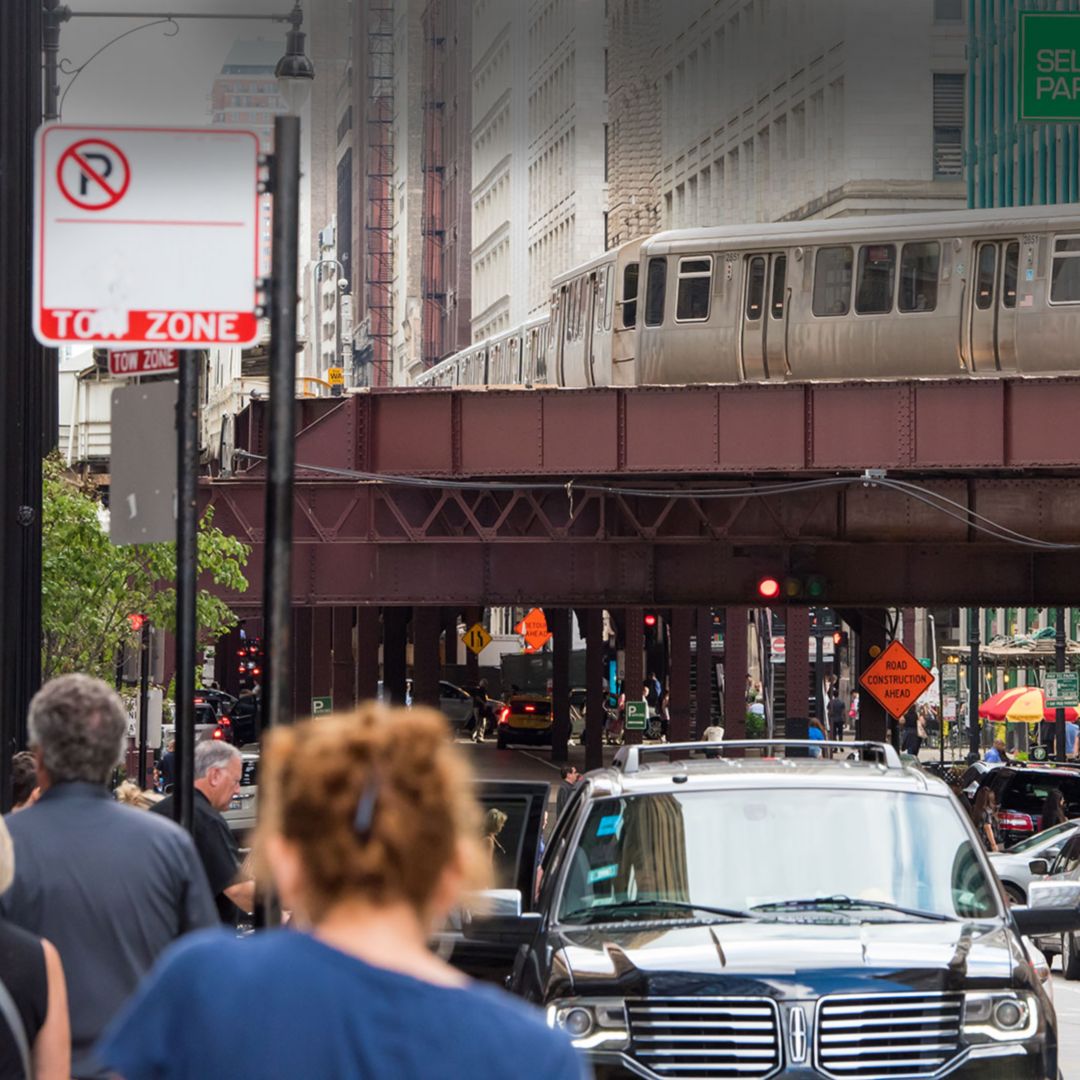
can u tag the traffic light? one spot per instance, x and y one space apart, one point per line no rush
840 639
136 622
250 660
650 621
791 587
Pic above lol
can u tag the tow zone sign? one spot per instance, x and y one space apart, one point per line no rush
145 237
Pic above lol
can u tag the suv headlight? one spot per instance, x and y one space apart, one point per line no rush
591 1023
1008 1016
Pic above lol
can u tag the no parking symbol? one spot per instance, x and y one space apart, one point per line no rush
93 174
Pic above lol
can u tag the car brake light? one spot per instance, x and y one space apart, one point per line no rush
225 722
504 716
218 733
1015 822
530 708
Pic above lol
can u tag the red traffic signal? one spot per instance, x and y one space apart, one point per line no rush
650 620
136 622
768 588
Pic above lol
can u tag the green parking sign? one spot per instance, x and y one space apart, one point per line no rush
1048 67
637 715
322 706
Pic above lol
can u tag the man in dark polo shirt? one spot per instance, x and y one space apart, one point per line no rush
110 886
218 768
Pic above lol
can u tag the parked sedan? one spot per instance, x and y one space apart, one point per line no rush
1066 867
1013 866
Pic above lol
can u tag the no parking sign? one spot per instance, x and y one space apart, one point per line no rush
146 236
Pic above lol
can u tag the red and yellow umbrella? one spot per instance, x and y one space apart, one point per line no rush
1020 705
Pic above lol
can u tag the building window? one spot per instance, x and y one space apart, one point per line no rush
877 273
655 291
948 10
832 281
919 265
948 127
695 281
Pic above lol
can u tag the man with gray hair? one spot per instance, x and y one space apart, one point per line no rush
218 768
110 886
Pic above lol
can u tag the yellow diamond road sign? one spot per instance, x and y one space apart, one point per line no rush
476 638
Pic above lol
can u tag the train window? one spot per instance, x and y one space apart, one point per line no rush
609 298
655 291
601 294
919 265
629 295
832 281
695 287
755 287
1065 279
1009 274
877 274
779 284
984 278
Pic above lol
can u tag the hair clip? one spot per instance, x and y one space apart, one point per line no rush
365 808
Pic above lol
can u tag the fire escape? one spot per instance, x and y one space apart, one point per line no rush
380 194
433 167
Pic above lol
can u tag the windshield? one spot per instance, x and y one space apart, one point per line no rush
1043 839
751 850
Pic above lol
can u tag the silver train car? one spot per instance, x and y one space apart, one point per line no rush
971 292
981 293
515 358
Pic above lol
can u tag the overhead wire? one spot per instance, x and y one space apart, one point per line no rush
935 500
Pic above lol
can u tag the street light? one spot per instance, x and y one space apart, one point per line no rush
294 71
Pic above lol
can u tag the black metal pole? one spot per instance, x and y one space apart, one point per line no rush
973 685
277 576
1059 664
53 15
144 699
819 668
277 582
187 524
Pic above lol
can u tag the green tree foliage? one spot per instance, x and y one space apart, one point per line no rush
90 586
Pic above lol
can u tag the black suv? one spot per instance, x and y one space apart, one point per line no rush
764 916
1021 790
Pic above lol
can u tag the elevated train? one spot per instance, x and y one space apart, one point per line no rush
979 293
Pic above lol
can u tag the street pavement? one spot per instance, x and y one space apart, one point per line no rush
535 764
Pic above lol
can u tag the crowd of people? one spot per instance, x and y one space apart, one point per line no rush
117 927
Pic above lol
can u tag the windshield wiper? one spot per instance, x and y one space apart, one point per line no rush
653 905
841 902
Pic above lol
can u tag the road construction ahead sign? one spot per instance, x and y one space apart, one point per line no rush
896 679
146 237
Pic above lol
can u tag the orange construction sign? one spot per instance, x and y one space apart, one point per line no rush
896 680
534 629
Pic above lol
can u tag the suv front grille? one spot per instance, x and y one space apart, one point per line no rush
705 1037
886 1035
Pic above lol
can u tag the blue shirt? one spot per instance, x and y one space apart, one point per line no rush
1071 732
993 755
313 1011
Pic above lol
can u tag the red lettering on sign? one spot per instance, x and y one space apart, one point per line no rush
167 327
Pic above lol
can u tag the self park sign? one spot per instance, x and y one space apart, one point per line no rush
1048 68
896 679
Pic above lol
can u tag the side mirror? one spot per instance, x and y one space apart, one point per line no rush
1052 908
495 916
1039 866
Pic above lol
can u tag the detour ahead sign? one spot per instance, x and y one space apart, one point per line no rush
896 680
1048 81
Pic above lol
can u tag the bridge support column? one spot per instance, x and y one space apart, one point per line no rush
301 662
560 626
873 720
735 657
343 684
594 687
322 645
368 635
703 696
634 666
426 631
395 633
682 621
797 659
